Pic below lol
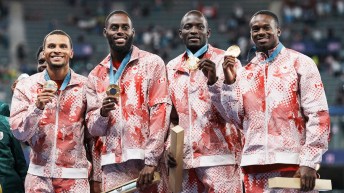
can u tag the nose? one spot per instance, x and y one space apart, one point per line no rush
194 30
57 49
120 30
261 31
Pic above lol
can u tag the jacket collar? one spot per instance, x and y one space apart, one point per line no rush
74 80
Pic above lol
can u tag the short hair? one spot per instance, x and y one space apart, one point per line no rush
40 49
267 12
196 12
58 32
114 13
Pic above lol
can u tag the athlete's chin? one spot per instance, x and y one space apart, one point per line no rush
122 48
57 65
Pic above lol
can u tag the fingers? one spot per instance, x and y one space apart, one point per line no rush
146 177
229 69
44 97
109 104
110 100
209 70
206 63
307 183
229 61
171 161
140 180
308 176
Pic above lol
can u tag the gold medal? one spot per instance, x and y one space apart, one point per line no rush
51 85
113 90
192 63
233 51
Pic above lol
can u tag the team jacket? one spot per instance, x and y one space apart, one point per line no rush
208 139
55 134
281 107
138 127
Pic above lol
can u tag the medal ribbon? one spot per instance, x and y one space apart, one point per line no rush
274 54
114 78
198 53
65 80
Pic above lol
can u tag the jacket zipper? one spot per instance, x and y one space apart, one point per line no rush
266 110
190 120
53 160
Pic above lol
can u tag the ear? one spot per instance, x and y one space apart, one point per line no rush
104 32
71 54
180 34
208 32
279 32
133 32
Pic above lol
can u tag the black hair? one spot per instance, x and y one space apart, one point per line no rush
267 12
40 49
116 12
58 32
196 12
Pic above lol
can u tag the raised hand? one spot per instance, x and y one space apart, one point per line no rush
208 68
44 97
109 104
229 69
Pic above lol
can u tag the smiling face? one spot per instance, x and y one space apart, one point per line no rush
41 63
57 51
264 32
194 31
119 33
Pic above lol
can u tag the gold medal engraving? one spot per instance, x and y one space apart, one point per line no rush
51 85
192 63
113 90
233 51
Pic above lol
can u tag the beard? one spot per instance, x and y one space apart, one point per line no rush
57 65
121 49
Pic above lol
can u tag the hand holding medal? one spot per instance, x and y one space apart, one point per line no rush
113 92
229 67
48 93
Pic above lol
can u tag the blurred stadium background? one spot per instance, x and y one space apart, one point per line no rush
313 27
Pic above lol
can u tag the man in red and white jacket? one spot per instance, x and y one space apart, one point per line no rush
211 145
279 101
52 121
133 125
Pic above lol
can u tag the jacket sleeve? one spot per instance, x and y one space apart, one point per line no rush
227 98
160 109
24 116
97 125
315 110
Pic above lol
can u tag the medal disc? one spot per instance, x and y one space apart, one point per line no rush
51 85
113 90
192 63
233 51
